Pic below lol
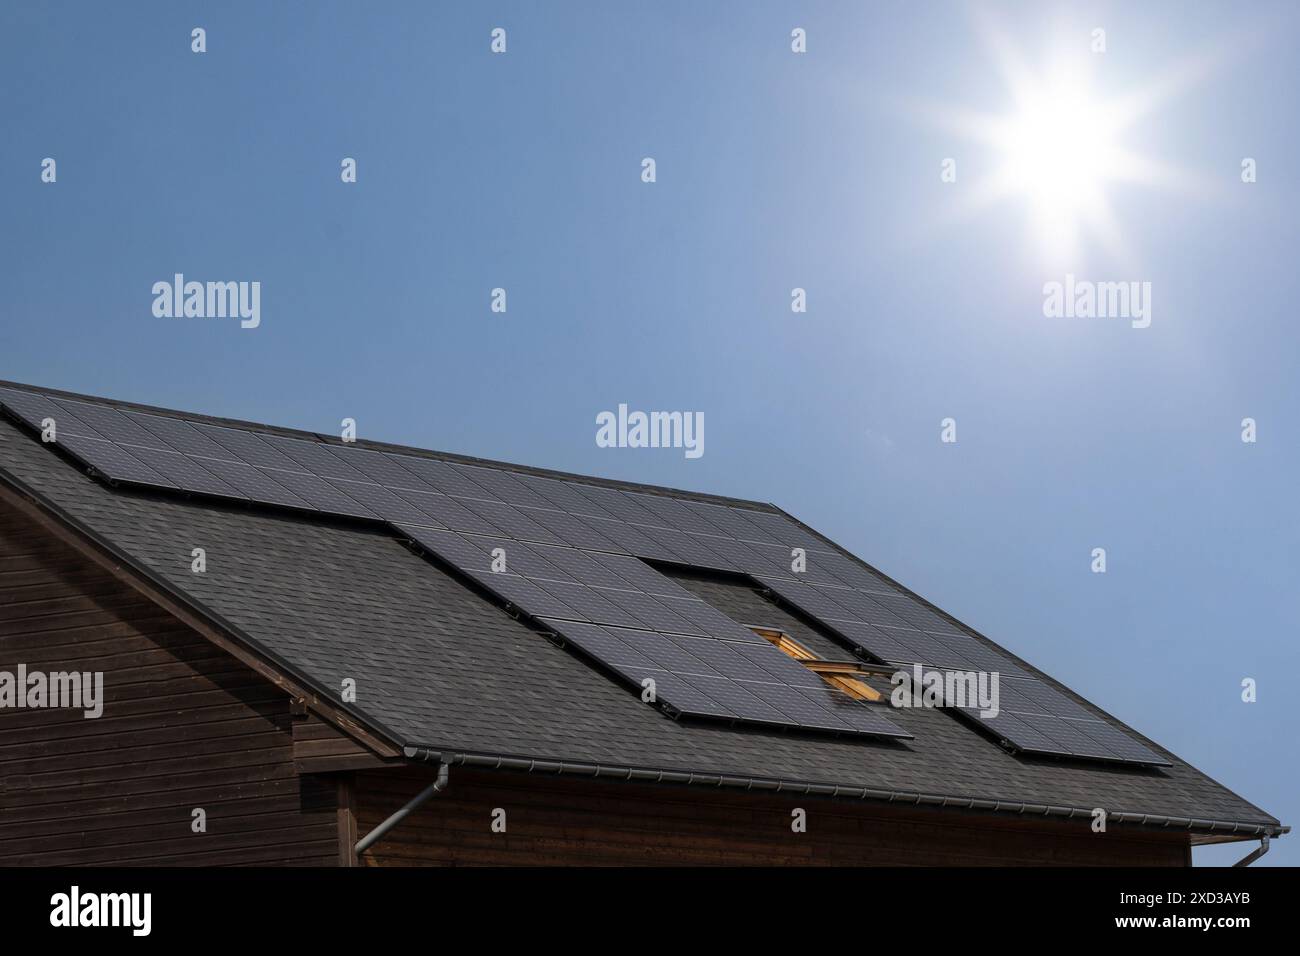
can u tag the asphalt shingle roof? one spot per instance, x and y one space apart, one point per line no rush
440 666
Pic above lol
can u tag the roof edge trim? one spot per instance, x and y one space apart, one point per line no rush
1239 829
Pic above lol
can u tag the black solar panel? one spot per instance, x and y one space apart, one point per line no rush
378 467
314 458
185 472
442 477
565 496
255 484
1035 716
504 487
247 447
380 501
181 436
445 512
110 423
113 461
570 529
319 493
35 408
511 521
576 552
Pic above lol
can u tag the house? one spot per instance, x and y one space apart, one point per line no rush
226 643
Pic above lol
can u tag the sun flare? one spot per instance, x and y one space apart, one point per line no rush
1058 148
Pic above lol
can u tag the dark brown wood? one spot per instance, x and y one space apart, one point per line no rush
186 725
553 820
347 819
320 747
42 526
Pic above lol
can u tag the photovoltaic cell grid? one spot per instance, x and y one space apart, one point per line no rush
1033 715
644 626
548 513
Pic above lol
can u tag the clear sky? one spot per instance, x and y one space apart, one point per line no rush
775 170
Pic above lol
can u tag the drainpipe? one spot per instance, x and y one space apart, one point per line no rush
438 785
1254 854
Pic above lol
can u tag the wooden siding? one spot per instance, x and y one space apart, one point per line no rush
552 820
320 747
185 725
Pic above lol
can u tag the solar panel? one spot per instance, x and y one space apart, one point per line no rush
255 484
783 530
731 522
315 458
526 596
633 540
110 423
247 447
689 549
380 501
565 496
576 552
181 436
504 486
1039 719
706 677
445 512
455 549
1036 716
570 529
379 467
511 521
112 461
442 477
581 567
670 512
319 493
184 472
650 611
590 603
616 504
34 408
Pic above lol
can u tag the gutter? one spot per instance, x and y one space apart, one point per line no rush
438 785
901 797
1254 854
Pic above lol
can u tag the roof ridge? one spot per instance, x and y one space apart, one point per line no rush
395 448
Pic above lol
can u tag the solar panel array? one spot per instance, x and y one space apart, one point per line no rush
1033 715
569 550
645 627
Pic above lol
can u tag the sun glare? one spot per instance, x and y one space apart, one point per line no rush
1058 148
1059 152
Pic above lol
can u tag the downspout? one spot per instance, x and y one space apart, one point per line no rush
438 785
1254 854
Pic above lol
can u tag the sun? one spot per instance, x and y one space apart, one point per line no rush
1059 148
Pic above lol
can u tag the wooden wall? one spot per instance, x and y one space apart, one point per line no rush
184 726
552 820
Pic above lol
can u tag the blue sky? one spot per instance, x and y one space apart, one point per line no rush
774 171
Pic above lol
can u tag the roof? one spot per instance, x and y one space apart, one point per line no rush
442 668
